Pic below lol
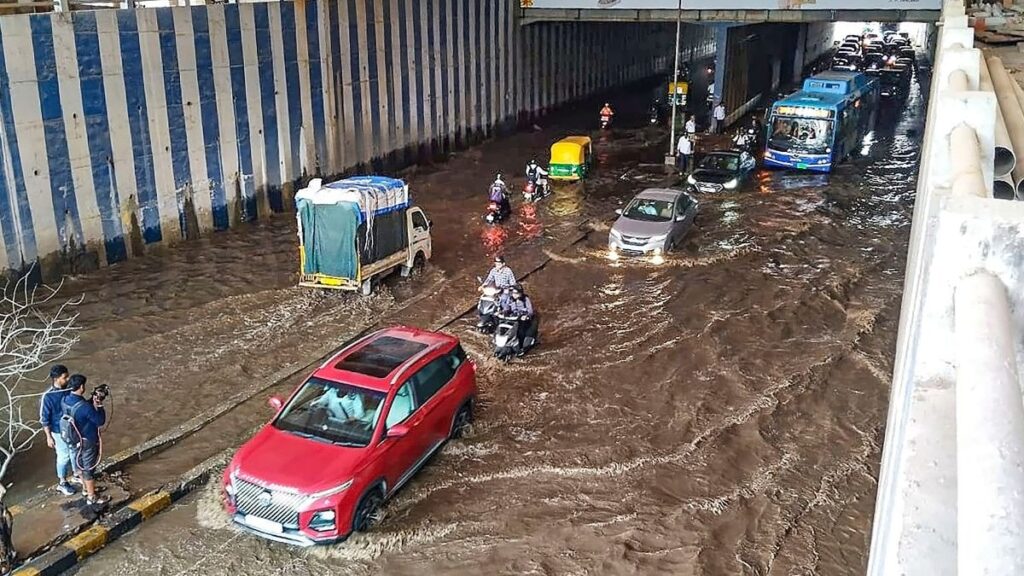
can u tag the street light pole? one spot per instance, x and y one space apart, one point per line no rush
670 157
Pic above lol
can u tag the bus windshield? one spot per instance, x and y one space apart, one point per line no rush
807 135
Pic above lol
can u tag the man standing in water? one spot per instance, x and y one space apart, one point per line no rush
49 417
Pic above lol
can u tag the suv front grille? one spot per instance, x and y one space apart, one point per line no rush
282 507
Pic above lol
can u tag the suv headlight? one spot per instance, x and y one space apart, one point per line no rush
691 180
658 238
615 233
732 183
323 521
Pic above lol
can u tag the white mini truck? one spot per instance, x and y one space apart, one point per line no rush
355 231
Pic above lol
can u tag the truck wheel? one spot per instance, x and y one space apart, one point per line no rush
417 266
366 287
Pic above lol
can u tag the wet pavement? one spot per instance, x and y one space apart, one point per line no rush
718 414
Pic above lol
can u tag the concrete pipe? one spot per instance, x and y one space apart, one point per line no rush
1003 188
965 160
1011 110
989 430
1005 157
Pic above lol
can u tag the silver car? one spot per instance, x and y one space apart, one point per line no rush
654 222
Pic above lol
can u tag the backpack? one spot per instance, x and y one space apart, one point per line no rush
68 430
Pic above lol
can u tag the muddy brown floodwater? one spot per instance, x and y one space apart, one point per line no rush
719 414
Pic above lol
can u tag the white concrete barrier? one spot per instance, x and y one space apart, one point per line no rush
951 485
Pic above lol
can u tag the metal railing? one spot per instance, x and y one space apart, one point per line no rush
951 487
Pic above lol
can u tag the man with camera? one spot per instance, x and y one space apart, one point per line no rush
80 427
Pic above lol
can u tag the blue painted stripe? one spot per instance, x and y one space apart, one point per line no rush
316 85
291 77
62 184
430 74
478 72
407 78
467 43
389 52
208 111
374 81
138 126
24 228
442 47
268 103
420 94
97 129
244 145
175 109
456 49
336 76
357 94
487 63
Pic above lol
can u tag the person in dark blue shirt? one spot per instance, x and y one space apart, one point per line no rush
49 416
88 416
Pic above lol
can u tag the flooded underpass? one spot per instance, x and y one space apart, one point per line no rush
721 413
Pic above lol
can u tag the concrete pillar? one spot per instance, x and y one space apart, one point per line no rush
721 61
798 56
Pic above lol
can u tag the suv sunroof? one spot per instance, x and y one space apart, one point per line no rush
380 357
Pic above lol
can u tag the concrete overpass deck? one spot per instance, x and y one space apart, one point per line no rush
719 15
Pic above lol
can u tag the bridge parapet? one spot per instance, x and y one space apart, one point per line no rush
951 487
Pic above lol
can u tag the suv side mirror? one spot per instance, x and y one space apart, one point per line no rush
680 217
276 403
397 431
618 211
430 224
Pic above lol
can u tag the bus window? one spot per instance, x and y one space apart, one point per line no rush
807 135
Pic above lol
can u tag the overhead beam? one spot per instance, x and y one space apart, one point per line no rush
534 15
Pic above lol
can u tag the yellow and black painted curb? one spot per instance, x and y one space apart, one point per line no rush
71 553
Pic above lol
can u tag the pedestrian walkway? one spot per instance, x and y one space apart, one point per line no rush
43 522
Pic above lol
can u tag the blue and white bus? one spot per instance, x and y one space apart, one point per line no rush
819 125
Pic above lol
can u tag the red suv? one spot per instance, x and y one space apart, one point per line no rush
351 436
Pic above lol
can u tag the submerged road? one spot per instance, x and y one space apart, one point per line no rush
719 414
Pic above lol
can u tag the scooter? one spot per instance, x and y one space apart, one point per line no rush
507 337
496 213
487 307
533 191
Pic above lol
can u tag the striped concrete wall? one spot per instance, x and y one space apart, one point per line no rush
121 130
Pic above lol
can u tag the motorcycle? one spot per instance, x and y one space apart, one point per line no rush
496 213
533 191
487 307
507 338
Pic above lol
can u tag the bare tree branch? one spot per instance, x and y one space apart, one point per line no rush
34 332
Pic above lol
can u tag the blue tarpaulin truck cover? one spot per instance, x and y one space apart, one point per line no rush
351 222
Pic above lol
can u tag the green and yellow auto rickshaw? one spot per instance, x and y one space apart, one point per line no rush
570 158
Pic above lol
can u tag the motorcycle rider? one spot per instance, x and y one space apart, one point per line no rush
742 140
539 176
516 304
499 194
501 277
607 113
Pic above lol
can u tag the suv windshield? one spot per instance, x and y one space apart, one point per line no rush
648 209
720 162
332 412
808 135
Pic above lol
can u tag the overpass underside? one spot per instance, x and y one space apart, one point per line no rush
534 15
